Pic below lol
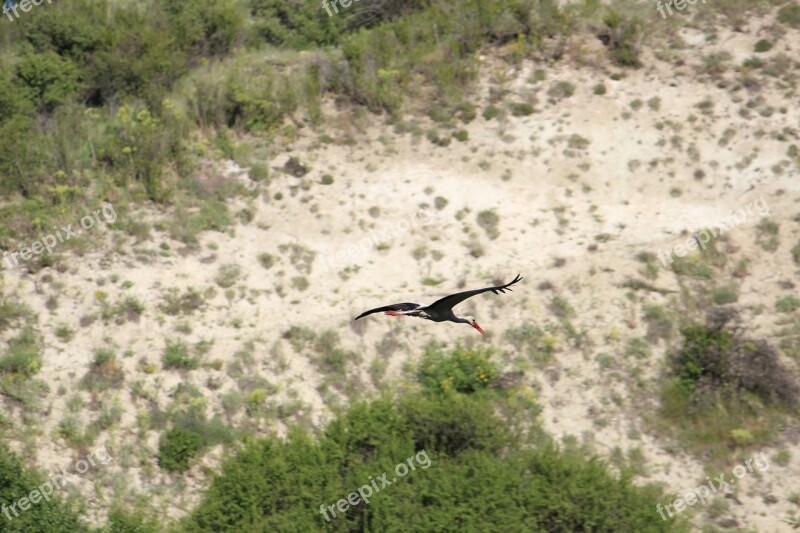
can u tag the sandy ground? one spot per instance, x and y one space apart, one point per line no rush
631 189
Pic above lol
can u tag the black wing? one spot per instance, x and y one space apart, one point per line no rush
408 306
448 302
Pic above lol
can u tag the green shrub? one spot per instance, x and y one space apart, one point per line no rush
521 109
463 439
787 304
767 234
329 357
11 312
622 37
451 439
23 357
719 381
176 448
266 260
562 89
176 355
51 515
490 112
638 348
133 521
175 304
489 220
533 342
724 295
105 371
228 275
295 24
790 15
461 135
466 112
763 45
660 322
48 80
462 370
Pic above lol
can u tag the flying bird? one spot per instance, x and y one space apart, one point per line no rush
441 310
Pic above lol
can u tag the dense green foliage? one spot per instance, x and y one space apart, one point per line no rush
477 476
53 515
176 447
120 521
100 101
462 370
187 429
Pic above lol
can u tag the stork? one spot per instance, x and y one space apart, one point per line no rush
441 310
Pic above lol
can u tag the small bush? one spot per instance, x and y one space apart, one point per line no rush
763 46
300 283
521 109
660 322
717 359
176 448
723 390
176 355
533 342
266 260
228 275
490 112
23 357
621 37
638 348
790 15
175 304
561 90
462 370
466 112
461 135
787 304
105 371
11 312
767 234
135 521
724 295
577 142
259 172
489 220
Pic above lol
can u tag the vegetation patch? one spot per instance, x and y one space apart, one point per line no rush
476 455
721 384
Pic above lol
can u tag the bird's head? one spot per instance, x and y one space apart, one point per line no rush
471 321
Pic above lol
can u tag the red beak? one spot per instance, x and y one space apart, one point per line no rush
476 326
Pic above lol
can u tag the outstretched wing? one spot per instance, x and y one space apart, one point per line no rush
448 302
408 306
